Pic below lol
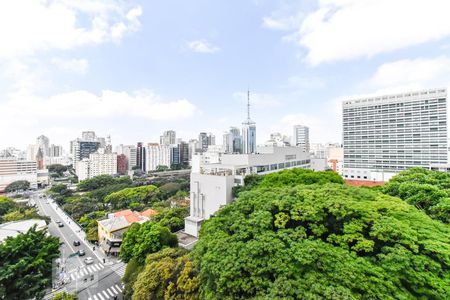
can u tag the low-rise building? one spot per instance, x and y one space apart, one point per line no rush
12 170
13 229
111 230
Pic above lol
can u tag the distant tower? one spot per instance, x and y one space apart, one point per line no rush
108 147
40 159
248 132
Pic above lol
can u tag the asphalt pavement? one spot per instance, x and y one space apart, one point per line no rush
98 280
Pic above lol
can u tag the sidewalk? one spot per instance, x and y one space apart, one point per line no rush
79 232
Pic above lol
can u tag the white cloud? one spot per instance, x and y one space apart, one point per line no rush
202 46
79 66
348 29
28 27
83 104
410 74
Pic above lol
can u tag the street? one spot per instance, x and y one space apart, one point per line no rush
97 279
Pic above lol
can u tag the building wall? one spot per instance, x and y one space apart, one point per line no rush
157 155
122 164
387 134
300 137
12 170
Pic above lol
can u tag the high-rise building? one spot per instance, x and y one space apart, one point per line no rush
184 152
122 164
157 155
232 141
88 135
384 135
84 147
194 147
205 140
43 143
300 138
141 158
56 151
98 163
130 152
168 138
248 132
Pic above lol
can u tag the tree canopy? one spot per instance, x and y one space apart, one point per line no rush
427 190
26 264
142 239
133 197
101 181
19 185
326 241
168 274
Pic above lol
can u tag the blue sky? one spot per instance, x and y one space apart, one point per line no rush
133 69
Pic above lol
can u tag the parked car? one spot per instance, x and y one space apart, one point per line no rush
60 224
88 260
81 252
76 243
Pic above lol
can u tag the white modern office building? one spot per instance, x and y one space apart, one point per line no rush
212 182
384 135
300 137
12 170
98 163
157 155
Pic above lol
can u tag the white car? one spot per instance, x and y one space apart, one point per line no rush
88 260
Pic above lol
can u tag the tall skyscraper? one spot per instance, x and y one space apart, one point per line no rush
158 155
43 143
232 141
141 157
205 140
300 138
168 138
384 135
248 132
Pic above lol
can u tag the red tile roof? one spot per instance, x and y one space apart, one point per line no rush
149 213
122 213
363 183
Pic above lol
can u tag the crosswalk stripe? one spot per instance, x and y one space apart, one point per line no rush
72 276
115 292
106 295
109 292
100 296
90 298
95 297
91 269
96 268
117 287
78 275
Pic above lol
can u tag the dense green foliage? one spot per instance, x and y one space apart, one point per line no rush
59 192
56 170
172 218
12 211
142 239
322 242
90 225
168 274
427 190
291 177
64 296
19 185
101 181
133 198
26 265
134 267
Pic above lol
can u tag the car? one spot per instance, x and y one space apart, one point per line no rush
76 243
81 253
88 260
60 224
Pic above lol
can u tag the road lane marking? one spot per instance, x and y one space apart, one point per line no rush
106 295
112 295
115 292
100 296
95 297
117 287
96 268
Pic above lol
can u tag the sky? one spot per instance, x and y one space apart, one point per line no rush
132 69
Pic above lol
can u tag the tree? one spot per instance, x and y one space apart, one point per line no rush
322 242
64 296
168 274
26 264
129 197
19 185
134 267
172 218
426 190
95 183
162 168
145 238
6 205
57 169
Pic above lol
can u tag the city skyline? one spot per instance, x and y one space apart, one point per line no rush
134 73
